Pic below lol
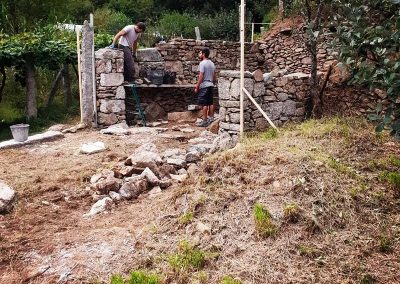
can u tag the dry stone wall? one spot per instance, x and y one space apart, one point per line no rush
283 98
110 93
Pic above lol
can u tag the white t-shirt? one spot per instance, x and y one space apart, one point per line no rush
130 37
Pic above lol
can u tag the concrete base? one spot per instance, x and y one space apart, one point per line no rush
42 137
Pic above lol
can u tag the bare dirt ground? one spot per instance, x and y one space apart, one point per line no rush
347 229
47 232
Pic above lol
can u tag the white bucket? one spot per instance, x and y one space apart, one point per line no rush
20 132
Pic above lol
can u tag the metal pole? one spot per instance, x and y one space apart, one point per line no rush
242 35
252 32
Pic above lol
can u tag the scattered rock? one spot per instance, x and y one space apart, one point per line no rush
165 183
172 153
115 196
201 148
75 128
91 148
150 176
166 170
177 162
198 140
203 228
127 171
182 172
187 130
116 129
214 126
155 191
100 206
179 178
179 137
193 156
7 197
110 184
223 142
95 178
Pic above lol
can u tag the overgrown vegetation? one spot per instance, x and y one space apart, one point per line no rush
230 280
187 258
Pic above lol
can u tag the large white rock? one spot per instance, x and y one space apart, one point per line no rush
100 206
177 162
179 178
7 197
116 129
91 148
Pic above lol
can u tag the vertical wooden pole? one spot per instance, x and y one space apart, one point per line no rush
242 35
252 32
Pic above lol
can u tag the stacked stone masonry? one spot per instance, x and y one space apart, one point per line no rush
110 92
283 98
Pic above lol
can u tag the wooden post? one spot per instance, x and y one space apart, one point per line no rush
252 32
242 35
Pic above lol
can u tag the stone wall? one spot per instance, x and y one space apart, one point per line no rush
283 98
181 56
110 92
158 102
283 50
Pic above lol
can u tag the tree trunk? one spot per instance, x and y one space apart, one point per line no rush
66 86
3 81
31 90
53 89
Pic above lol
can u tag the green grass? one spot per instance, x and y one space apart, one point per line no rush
187 258
263 221
230 280
385 243
393 178
137 277
271 133
186 218
308 251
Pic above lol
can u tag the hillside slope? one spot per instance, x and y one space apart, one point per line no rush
331 189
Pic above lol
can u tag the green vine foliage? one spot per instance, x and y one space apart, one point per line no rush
368 38
46 47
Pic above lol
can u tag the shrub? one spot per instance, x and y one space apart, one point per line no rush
186 218
110 21
263 221
137 277
175 23
187 258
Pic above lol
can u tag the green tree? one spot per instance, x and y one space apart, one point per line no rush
369 41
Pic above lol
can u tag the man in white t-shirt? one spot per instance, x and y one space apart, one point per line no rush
127 41
204 87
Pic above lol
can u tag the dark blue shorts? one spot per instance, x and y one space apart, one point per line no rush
205 96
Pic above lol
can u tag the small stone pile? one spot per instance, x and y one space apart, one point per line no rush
148 170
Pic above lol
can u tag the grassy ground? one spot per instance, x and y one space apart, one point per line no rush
316 203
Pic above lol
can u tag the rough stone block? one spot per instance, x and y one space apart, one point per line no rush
111 79
107 119
112 106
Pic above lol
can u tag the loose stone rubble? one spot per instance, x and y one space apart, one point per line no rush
7 197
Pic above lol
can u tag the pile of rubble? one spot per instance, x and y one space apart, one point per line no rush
148 170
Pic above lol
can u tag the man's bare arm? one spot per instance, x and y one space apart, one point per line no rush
118 35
